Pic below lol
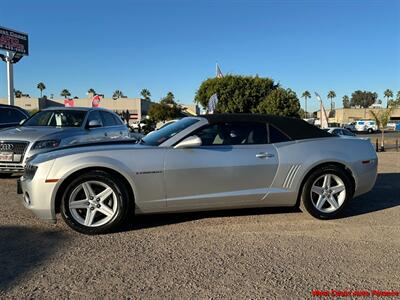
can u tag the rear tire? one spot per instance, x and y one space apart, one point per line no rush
370 130
326 192
95 203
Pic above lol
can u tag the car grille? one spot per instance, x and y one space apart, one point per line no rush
17 148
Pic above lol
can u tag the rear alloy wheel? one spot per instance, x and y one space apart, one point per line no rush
94 203
326 192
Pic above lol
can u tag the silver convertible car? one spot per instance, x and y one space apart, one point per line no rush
200 163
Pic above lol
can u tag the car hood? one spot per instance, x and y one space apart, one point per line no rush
31 134
112 146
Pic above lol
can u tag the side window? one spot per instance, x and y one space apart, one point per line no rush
233 133
94 115
276 136
108 119
118 120
10 115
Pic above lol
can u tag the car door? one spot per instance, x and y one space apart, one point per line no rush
112 128
95 134
234 167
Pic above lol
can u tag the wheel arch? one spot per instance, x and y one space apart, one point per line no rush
322 165
116 174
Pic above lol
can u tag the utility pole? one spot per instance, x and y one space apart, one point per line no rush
10 77
15 45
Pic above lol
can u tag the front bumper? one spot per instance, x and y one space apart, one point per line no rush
37 197
11 168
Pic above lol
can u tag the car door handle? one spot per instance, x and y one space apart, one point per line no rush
264 155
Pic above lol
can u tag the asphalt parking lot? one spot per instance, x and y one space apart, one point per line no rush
260 253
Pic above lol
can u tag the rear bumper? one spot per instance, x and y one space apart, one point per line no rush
366 177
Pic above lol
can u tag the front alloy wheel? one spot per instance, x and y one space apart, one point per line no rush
95 203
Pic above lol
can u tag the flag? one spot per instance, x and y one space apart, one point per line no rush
323 115
218 72
69 102
96 101
212 104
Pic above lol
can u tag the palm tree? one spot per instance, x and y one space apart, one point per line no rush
330 96
17 93
346 101
41 87
381 119
306 95
91 91
146 94
117 94
65 93
388 94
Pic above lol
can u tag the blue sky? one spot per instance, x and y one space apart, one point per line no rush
173 45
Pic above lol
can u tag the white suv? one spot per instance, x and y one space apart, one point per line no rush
366 125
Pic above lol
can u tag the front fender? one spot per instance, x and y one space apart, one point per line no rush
62 171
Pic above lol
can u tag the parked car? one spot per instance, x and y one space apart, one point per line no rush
350 126
11 116
366 125
341 132
53 128
393 125
200 163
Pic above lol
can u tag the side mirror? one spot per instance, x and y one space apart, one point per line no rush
93 124
22 122
190 142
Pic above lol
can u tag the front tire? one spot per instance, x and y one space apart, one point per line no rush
95 203
326 192
370 130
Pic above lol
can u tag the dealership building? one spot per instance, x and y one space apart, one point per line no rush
347 115
138 108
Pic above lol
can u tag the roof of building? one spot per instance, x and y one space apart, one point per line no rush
296 129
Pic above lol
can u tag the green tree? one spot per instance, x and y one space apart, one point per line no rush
235 93
17 93
65 93
91 91
167 109
41 87
330 96
145 93
346 101
381 119
363 98
117 94
306 95
281 102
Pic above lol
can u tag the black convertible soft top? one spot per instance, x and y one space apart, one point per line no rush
296 129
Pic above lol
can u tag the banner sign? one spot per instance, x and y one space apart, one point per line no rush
11 40
69 102
96 101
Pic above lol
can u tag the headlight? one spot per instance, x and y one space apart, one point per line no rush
30 171
46 144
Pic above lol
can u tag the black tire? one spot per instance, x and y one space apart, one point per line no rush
122 196
370 130
306 202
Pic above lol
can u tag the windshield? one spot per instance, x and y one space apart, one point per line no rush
57 118
158 137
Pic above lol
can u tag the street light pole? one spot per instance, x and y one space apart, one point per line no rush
10 77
